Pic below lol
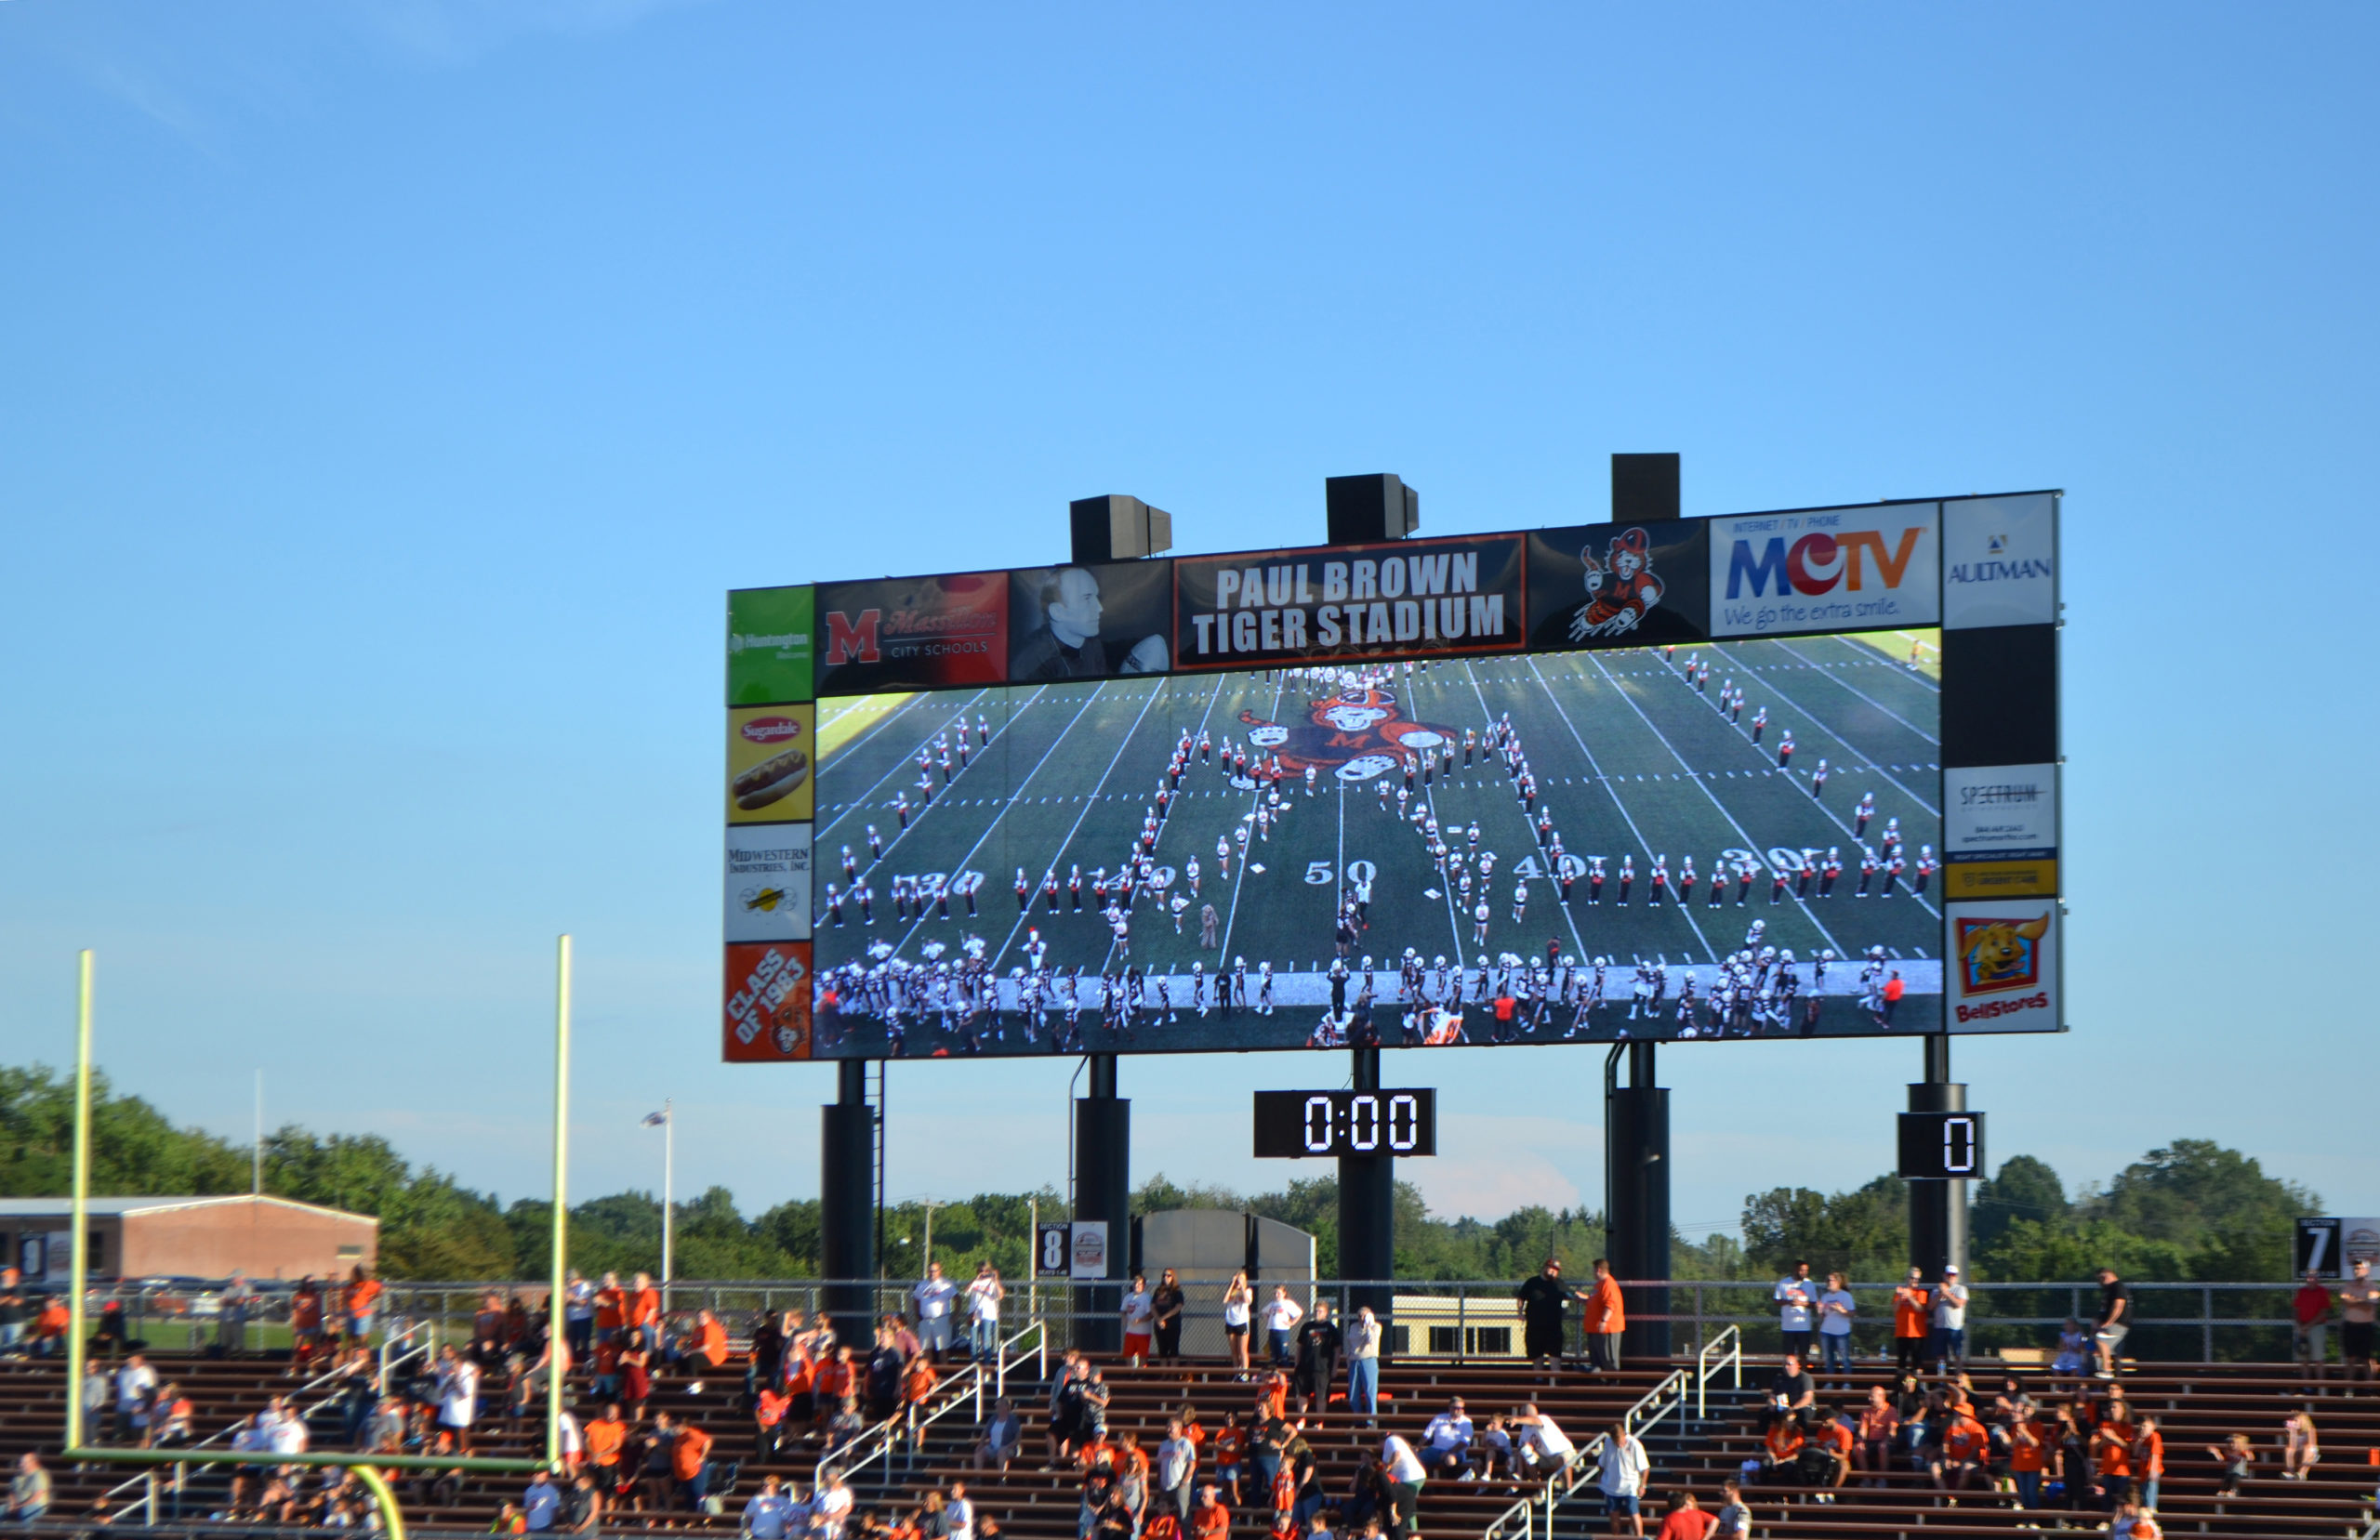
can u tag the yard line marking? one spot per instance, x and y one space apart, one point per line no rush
1222 950
1845 684
1555 877
920 816
1749 844
960 864
1836 818
1818 724
1642 843
866 799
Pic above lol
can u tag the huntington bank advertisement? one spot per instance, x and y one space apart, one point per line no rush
1409 599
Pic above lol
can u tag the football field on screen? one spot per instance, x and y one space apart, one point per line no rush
1635 759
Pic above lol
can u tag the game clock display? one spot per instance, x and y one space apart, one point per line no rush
1937 1145
1296 1124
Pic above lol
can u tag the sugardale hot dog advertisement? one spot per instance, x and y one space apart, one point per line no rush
1483 790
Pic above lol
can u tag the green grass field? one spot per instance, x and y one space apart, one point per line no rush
1632 759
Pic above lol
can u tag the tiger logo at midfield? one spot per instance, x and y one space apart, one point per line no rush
1356 734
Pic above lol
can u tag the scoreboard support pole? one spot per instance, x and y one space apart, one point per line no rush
1636 1195
1367 1212
1937 1209
1104 1190
847 1192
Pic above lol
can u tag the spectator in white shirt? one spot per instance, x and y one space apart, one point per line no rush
1835 1310
1949 1322
1177 1461
959 1514
1405 1473
1363 1365
1446 1443
830 1507
136 1383
1797 1296
984 1296
1624 1467
933 1295
1281 1318
1543 1446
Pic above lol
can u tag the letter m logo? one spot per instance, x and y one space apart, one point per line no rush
849 641
1769 567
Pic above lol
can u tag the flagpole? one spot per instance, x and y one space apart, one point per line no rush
669 1172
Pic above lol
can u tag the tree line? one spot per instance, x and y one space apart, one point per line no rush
2192 1210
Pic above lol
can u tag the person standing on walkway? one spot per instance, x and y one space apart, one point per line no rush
1363 1365
1603 1317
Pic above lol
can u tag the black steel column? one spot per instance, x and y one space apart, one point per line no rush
1937 1209
1636 1204
847 1192
1104 1190
1367 1212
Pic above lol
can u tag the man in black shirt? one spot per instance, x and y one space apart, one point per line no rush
1543 1300
1792 1391
2115 1320
1318 1344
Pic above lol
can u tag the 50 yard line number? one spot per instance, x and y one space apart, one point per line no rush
1319 873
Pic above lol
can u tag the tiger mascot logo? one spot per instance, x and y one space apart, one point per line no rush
1356 734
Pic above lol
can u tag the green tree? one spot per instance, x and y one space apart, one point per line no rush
2025 1189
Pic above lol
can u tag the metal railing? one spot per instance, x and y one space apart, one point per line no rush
1730 1343
147 1504
1585 1465
2174 1321
908 1425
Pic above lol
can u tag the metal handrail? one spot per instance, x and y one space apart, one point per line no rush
1585 1463
884 1439
148 1478
1734 1338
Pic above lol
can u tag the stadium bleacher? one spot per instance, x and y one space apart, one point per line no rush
2196 1405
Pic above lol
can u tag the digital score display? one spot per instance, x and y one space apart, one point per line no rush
1939 1145
1293 1125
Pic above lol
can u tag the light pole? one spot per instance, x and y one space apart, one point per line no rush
667 1121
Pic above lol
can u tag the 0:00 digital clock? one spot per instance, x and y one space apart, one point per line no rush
1296 1124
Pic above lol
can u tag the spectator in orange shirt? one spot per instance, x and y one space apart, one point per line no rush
2149 1461
358 1301
2111 1462
1209 1520
1604 1316
1912 1323
1878 1422
1685 1520
1965 1445
606 1435
611 1307
709 1339
690 1465
2029 1455
643 1312
1781 1446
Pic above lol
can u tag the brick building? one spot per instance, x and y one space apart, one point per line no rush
262 1238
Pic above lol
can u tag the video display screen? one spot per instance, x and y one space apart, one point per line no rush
1692 840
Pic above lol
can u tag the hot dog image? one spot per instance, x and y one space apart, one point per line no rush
771 780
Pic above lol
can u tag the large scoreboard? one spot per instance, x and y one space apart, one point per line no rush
1785 774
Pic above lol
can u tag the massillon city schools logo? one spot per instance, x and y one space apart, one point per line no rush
1356 735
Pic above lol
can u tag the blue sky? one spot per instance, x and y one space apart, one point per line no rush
394 385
